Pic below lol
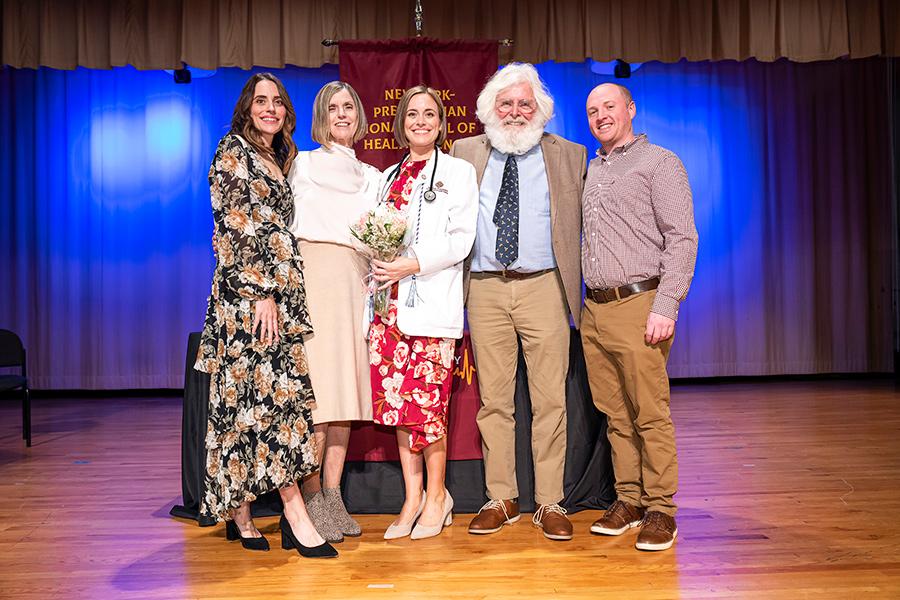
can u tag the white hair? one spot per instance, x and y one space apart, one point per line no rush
514 74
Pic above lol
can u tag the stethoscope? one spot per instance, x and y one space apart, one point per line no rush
429 195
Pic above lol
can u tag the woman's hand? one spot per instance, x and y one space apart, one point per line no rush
387 273
265 317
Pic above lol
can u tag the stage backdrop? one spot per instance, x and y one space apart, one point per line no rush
105 222
380 70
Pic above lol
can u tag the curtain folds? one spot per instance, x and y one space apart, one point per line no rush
105 221
161 34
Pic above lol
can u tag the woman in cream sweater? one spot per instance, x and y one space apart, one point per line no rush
331 190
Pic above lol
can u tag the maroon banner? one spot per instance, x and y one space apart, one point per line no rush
380 71
376 443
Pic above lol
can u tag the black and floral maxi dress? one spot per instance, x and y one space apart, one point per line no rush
259 434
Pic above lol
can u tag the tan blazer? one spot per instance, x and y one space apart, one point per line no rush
566 165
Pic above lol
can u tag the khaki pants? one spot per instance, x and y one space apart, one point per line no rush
629 383
501 312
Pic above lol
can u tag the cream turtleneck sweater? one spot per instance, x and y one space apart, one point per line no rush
331 190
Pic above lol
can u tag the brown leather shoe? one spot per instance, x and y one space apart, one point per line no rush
553 520
658 532
618 518
494 515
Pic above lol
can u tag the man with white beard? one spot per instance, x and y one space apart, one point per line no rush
523 280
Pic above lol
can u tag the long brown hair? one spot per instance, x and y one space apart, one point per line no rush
283 150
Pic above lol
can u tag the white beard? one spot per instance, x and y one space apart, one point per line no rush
514 139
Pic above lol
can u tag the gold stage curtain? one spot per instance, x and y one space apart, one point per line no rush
161 34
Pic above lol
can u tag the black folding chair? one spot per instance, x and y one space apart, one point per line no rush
12 354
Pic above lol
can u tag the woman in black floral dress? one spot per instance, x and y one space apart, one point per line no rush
259 435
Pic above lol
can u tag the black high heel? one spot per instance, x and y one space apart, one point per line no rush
232 533
288 541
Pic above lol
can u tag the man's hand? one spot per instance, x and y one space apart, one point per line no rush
659 328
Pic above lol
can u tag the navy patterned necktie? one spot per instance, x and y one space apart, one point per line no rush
506 214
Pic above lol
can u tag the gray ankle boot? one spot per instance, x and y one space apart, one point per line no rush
320 515
339 515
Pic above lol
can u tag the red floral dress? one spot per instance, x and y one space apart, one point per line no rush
411 374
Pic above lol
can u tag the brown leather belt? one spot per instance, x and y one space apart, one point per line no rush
603 296
514 274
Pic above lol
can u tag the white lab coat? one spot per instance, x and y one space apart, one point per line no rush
446 232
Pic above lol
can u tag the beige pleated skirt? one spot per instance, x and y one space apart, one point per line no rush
336 350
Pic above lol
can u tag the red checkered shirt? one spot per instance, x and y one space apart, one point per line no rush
638 222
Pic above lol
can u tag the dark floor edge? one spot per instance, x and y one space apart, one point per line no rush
806 377
676 381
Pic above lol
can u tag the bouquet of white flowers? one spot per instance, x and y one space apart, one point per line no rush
381 230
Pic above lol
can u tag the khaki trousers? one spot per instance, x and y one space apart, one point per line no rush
501 312
630 384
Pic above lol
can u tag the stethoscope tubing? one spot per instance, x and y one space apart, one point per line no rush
429 195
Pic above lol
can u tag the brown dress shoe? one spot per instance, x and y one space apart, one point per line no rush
658 532
553 520
618 518
494 515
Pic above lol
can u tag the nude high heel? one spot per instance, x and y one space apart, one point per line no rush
420 532
402 530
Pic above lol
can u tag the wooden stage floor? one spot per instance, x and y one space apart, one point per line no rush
788 490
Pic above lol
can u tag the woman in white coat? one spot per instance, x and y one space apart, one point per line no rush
411 349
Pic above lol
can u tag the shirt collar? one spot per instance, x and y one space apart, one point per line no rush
536 149
638 140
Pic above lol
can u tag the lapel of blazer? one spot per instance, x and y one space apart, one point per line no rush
552 155
480 160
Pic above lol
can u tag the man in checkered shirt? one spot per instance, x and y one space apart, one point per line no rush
639 246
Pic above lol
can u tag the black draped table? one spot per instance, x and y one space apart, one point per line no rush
372 480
